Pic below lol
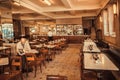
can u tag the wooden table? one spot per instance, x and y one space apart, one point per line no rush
95 49
13 47
90 43
102 64
34 51
3 62
3 50
56 77
33 42
38 46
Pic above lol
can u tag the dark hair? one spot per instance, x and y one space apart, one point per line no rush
23 36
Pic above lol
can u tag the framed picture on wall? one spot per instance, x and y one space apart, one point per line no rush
7 31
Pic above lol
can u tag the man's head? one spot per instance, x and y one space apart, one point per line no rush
23 39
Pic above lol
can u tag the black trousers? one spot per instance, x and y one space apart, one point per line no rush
24 61
50 38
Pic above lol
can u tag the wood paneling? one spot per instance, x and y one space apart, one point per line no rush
118 23
17 28
112 40
69 21
87 24
27 32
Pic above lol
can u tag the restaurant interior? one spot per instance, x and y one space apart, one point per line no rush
59 39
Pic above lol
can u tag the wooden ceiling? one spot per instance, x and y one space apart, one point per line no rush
59 9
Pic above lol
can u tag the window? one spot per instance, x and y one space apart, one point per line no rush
108 22
111 21
105 23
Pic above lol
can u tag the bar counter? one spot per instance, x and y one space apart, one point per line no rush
70 39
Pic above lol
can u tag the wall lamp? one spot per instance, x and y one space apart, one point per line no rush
114 8
100 18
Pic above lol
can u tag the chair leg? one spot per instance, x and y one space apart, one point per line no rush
21 76
35 71
27 71
44 63
40 68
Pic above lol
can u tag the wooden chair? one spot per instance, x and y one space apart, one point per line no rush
58 48
44 55
32 61
13 73
16 67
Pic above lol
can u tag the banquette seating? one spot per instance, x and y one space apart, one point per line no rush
114 54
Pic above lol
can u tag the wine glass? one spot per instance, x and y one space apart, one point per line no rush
90 47
95 57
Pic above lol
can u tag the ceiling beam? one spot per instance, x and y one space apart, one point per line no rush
34 19
67 3
21 12
28 4
68 7
60 17
72 12
82 7
76 16
103 3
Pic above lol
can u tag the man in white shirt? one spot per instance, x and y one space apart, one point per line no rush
23 45
50 35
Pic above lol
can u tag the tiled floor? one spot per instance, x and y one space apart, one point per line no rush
65 64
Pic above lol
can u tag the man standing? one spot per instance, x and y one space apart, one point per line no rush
50 35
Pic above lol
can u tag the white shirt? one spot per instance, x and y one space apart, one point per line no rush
50 34
26 47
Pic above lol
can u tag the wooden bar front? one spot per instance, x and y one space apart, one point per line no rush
70 39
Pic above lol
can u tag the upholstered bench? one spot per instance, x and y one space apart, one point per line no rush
104 47
114 53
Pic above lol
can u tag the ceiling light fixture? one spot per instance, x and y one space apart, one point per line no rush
47 2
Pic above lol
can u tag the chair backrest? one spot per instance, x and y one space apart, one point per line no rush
16 62
44 51
30 57
33 47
